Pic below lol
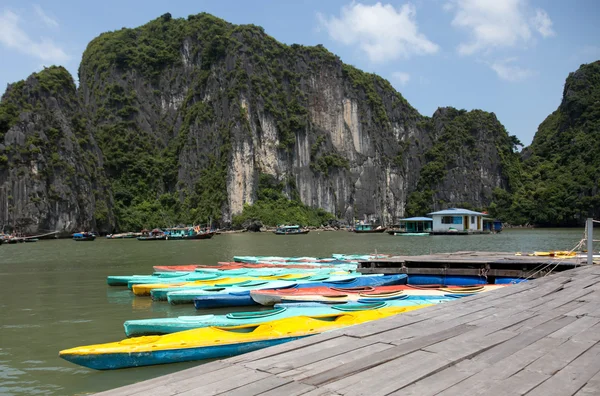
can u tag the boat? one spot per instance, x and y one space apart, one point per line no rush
226 266
123 280
187 294
136 328
30 239
84 236
154 235
214 342
145 288
411 234
368 229
233 273
446 280
382 293
290 230
244 298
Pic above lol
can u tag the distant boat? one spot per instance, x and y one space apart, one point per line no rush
31 239
368 228
411 233
154 235
290 230
84 236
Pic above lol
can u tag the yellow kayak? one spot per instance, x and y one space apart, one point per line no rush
215 342
144 289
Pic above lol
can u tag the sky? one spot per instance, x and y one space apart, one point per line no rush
510 57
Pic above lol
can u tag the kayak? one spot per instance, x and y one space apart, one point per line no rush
235 273
160 294
187 295
146 288
447 280
383 293
244 298
123 280
183 323
214 342
233 265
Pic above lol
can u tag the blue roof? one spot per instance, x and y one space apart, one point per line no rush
417 219
455 212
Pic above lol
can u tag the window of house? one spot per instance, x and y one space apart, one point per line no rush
448 220
472 219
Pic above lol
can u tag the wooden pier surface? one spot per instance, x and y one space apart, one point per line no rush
471 263
537 338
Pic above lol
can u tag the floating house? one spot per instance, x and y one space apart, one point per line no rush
415 225
457 221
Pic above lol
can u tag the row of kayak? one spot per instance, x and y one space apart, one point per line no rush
305 295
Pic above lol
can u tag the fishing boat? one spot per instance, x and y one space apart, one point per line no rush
136 328
290 230
382 293
84 236
368 229
154 235
244 298
214 342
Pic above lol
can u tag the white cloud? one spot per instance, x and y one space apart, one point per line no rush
497 23
383 32
542 23
509 72
49 21
401 77
13 37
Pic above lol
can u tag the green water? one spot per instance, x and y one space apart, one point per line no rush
53 294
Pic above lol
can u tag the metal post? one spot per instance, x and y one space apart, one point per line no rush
590 241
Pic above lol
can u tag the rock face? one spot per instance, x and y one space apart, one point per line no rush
187 114
50 176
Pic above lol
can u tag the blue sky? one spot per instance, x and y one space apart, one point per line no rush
506 56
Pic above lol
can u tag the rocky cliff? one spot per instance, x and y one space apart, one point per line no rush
560 180
189 114
50 166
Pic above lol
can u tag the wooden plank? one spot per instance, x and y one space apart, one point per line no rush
308 354
560 357
591 334
143 386
282 348
592 387
291 389
518 384
324 365
382 357
225 385
572 377
581 324
258 387
433 384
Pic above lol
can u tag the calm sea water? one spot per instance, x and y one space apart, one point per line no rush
53 294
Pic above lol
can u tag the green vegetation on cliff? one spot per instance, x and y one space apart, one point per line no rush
273 207
560 185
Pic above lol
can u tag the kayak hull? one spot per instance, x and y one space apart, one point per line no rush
245 299
111 361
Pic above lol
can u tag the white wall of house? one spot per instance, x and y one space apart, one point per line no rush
472 223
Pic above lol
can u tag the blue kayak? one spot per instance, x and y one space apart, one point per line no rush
446 280
280 311
243 298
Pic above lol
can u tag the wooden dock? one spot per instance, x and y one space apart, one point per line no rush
537 338
488 264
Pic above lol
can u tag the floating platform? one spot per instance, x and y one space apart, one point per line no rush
487 264
540 337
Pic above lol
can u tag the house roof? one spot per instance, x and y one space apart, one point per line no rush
417 219
455 212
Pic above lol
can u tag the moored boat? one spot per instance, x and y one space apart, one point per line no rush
84 236
368 229
154 235
244 298
382 293
290 230
214 342
135 328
